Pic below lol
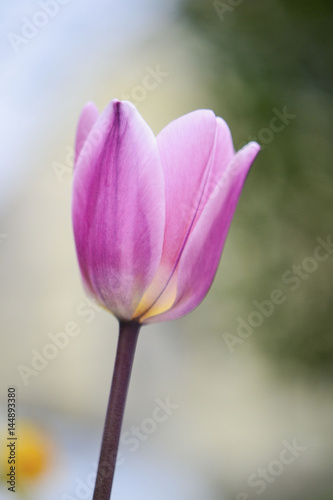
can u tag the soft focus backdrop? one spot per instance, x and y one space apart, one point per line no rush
241 379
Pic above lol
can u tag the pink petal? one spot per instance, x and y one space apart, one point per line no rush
185 146
187 149
200 258
118 209
88 117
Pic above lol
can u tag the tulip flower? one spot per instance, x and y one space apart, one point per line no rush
150 214
150 217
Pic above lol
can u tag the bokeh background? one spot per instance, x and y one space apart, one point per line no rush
233 403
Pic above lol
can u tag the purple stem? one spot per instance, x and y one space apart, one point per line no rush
128 336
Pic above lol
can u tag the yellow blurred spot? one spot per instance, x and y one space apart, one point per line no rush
32 453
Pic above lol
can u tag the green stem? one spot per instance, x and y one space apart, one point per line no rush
128 335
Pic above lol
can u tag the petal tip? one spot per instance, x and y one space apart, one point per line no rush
249 151
255 146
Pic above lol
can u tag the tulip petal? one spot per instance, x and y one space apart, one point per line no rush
199 261
119 209
88 117
191 160
185 146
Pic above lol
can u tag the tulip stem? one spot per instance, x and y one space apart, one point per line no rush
128 335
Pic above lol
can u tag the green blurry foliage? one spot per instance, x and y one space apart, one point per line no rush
259 57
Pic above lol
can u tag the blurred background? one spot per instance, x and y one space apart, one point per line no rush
245 381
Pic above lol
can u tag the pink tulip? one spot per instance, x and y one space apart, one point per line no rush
151 214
